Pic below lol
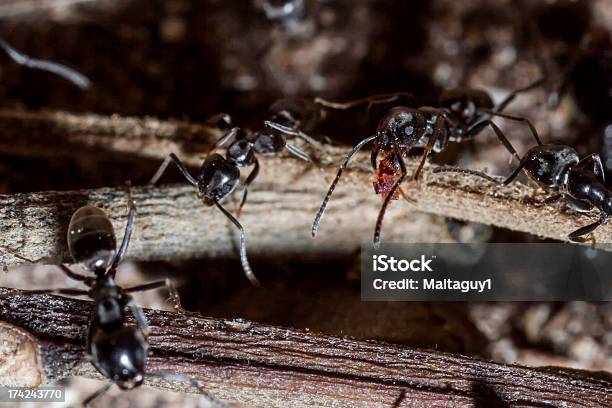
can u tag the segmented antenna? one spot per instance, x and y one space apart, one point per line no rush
65 72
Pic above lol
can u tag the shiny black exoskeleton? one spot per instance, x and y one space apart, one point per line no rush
462 114
117 350
558 169
220 175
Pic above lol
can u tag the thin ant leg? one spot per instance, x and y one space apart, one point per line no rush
532 128
129 228
87 402
141 319
297 152
580 232
370 100
506 101
60 291
76 276
167 283
246 267
229 135
65 72
477 128
450 169
162 168
344 165
437 133
291 132
252 175
383 209
374 157
184 378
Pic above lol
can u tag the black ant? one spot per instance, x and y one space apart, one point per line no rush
119 352
559 169
219 176
63 71
462 115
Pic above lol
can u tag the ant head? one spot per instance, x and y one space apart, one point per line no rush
91 239
548 164
405 125
120 356
241 152
218 178
267 143
463 103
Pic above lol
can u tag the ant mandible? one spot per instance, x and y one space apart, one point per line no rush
119 352
462 115
559 169
219 176
63 71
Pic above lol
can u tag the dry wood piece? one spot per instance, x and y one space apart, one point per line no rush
260 365
173 224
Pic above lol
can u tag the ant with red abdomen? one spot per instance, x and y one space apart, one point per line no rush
463 113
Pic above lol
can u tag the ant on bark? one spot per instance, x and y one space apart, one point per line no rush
63 71
462 114
559 169
119 352
219 176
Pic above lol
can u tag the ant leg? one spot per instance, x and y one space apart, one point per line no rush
477 128
246 267
370 100
594 160
252 175
162 168
87 402
76 276
580 232
291 132
174 297
184 378
506 101
450 169
438 131
141 319
229 135
345 163
383 209
60 291
532 128
65 72
129 228
297 152
374 157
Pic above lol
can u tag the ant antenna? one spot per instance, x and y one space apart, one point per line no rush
65 72
243 254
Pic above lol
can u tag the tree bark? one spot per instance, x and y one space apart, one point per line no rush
266 366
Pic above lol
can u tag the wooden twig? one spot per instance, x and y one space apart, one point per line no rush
268 366
173 224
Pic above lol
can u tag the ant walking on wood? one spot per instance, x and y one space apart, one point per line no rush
462 114
119 352
63 71
219 176
559 169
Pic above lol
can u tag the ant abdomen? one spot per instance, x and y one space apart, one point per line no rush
218 178
91 238
289 111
